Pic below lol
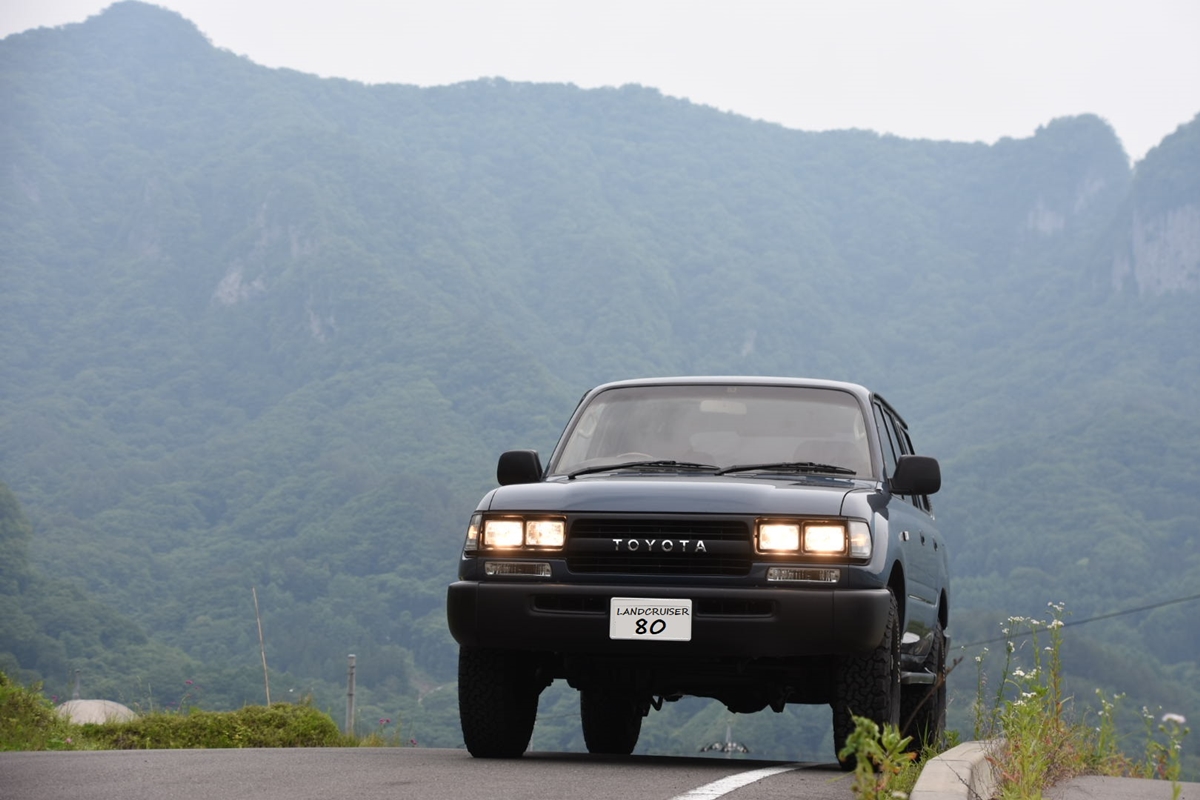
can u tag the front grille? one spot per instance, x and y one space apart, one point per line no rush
649 546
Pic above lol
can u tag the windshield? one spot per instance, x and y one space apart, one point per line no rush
719 425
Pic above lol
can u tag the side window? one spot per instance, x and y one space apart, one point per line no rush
886 439
906 446
902 439
896 443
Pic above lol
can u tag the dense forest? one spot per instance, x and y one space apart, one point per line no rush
261 331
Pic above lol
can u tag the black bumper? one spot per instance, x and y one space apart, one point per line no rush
743 622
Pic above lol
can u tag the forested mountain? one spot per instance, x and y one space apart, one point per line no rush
264 330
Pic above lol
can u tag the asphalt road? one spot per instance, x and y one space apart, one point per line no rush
398 773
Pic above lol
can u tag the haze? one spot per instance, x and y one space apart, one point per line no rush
931 69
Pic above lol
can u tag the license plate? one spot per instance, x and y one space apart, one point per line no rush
650 619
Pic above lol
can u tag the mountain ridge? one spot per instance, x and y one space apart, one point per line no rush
261 329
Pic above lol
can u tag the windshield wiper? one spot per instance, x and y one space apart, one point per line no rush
788 466
654 464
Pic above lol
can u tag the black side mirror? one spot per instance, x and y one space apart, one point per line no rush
519 466
916 475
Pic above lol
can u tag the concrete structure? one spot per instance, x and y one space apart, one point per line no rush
965 773
98 711
960 773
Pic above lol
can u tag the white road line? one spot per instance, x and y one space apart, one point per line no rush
728 784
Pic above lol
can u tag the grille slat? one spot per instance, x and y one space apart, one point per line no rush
663 546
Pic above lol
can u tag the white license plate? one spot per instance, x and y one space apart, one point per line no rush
650 619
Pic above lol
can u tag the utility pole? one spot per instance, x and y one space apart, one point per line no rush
262 647
350 696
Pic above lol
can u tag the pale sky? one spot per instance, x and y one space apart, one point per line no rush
962 70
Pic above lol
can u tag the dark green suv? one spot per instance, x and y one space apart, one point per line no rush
760 541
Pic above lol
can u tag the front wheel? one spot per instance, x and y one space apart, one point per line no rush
868 686
611 722
497 701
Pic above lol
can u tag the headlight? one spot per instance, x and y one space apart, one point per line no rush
545 533
815 537
825 538
503 533
775 537
514 532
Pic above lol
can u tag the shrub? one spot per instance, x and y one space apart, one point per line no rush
277 725
29 722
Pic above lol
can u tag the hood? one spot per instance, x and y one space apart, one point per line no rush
663 494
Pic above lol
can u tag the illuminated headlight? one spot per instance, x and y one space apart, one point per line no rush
503 533
506 532
777 537
815 537
825 538
545 533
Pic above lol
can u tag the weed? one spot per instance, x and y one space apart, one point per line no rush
883 769
381 736
1040 744
29 722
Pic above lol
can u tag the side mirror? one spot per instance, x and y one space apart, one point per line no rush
916 475
519 466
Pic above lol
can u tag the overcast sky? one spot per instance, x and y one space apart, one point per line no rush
964 70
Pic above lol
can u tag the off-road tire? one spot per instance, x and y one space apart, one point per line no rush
497 701
868 686
923 706
611 722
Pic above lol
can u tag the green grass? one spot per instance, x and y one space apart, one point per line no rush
277 725
1038 741
29 722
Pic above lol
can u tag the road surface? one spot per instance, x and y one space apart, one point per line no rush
398 773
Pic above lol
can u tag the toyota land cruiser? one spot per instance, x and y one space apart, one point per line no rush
760 541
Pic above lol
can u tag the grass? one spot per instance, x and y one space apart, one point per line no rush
884 768
277 725
28 721
1038 741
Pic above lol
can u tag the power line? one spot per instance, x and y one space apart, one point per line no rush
1111 615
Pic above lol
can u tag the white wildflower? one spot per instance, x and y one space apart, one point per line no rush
1056 623
1178 719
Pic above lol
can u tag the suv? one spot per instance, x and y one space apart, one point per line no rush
760 541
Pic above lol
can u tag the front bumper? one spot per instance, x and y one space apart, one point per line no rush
746 622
